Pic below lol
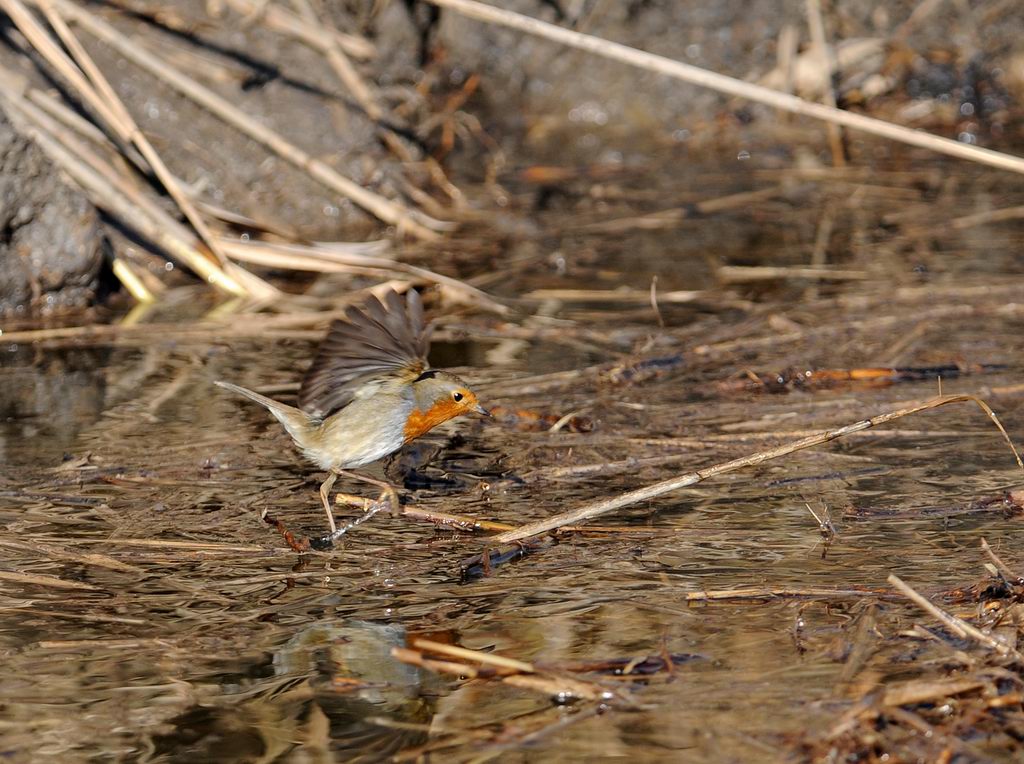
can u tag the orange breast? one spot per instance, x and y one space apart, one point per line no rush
420 422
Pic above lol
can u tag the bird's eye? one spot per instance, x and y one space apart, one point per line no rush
457 396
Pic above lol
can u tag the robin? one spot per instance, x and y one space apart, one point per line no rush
368 392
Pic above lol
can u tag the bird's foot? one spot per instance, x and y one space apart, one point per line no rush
390 496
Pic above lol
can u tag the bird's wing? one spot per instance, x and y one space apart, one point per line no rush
378 343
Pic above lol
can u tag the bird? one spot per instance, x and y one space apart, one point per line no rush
368 392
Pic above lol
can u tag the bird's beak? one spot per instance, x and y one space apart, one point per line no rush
481 410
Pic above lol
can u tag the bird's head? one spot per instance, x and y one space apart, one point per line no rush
439 396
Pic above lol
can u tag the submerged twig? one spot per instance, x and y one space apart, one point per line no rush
475 664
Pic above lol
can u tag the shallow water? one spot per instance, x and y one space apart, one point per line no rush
165 620
148 612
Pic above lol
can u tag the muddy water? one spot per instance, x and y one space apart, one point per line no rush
157 617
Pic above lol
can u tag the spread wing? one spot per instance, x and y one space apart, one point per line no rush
378 342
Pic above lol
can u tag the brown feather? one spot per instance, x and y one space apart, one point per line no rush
379 342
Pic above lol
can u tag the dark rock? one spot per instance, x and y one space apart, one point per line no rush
50 236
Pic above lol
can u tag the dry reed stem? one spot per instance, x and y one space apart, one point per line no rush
724 84
131 281
674 216
1010 575
760 593
341 65
1002 215
58 59
49 107
995 304
279 228
130 133
203 546
60 552
921 11
629 296
458 522
282 20
42 579
862 644
60 111
525 676
405 219
113 113
816 24
119 645
603 506
490 659
464 523
256 325
745 274
85 618
271 578
560 687
416 658
110 192
957 625
322 258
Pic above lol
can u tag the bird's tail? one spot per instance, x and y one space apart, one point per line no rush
295 421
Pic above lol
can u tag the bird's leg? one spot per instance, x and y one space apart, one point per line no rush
325 498
388 497
388 492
